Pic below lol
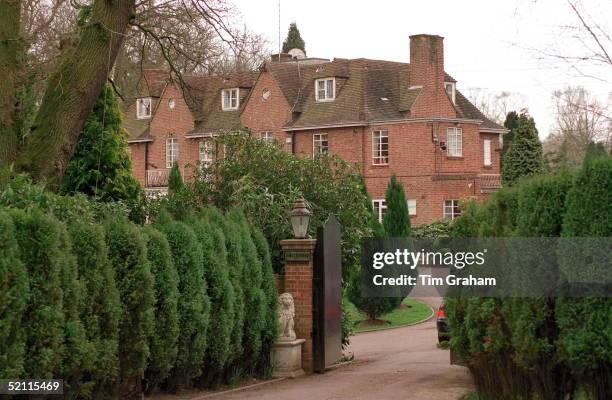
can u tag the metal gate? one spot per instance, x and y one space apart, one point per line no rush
327 296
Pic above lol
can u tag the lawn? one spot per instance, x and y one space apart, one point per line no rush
409 312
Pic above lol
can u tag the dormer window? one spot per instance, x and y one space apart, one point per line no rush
450 90
229 99
325 89
143 108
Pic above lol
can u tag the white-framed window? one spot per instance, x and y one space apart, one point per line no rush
412 210
380 147
230 99
325 89
450 90
206 151
267 137
454 142
320 145
487 152
451 209
143 108
172 152
380 207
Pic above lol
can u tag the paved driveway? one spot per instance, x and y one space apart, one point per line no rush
402 363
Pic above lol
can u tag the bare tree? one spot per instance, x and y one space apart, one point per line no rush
496 106
580 119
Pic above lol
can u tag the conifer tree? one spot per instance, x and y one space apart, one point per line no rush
396 221
524 157
511 124
294 39
14 294
175 180
164 341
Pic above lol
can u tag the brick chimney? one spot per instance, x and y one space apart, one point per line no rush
427 70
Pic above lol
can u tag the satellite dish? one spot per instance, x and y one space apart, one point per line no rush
297 53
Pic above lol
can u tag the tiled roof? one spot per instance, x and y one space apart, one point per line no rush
151 84
366 91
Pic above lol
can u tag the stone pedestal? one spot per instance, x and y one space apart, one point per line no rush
287 358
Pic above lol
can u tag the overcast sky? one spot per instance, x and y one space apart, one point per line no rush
488 44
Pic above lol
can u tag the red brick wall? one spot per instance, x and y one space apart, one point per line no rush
270 114
137 153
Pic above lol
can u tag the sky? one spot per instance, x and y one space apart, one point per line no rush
491 45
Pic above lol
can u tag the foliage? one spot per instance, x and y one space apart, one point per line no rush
101 166
100 308
294 39
396 221
434 230
524 157
14 296
175 180
164 341
127 253
193 303
511 123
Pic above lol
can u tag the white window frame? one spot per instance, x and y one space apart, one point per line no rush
172 151
380 207
412 207
486 152
453 90
267 136
325 90
205 151
234 97
320 144
380 147
140 108
454 142
450 209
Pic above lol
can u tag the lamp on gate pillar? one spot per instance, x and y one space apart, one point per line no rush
300 218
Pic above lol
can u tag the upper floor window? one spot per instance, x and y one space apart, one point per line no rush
380 147
380 207
229 99
454 142
172 152
143 107
267 137
320 144
451 209
325 89
450 90
487 152
206 151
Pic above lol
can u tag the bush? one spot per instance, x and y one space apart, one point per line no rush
14 295
43 320
221 294
164 341
193 303
127 252
269 332
100 309
255 300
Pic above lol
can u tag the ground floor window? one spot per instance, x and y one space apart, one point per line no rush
451 209
172 152
412 207
206 151
380 206
320 145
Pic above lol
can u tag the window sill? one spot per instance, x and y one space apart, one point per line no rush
380 165
454 157
487 166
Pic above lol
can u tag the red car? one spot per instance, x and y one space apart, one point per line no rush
441 324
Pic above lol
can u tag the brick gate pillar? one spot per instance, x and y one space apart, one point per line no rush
298 255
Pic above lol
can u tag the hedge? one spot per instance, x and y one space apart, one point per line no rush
193 302
14 296
164 341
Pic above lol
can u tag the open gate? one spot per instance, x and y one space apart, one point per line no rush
327 296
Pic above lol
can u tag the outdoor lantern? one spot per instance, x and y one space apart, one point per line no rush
300 217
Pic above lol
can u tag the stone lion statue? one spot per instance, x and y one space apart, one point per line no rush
286 314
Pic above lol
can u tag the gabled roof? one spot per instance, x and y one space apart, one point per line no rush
151 84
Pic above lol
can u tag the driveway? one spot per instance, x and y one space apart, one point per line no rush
402 363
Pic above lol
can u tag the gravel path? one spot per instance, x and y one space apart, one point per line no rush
401 363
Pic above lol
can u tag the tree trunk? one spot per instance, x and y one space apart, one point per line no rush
10 51
72 90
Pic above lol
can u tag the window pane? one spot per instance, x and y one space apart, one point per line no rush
330 89
412 207
487 152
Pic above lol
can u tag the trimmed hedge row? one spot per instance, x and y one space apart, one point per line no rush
545 348
116 309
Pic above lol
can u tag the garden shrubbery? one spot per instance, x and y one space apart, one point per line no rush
544 348
116 309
